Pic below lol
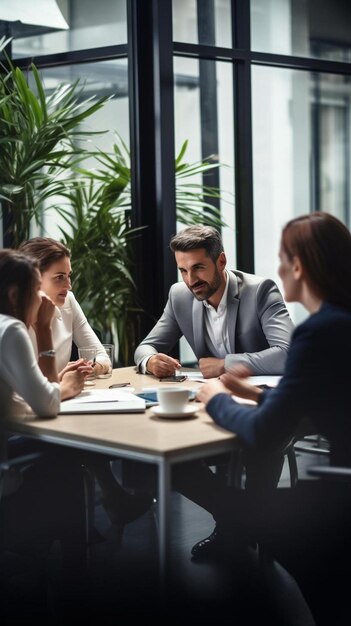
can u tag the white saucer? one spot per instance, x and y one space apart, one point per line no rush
189 410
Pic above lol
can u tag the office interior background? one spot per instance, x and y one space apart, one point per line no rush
260 86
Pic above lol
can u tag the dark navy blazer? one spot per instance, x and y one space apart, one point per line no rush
316 385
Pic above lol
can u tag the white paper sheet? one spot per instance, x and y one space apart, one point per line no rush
104 401
270 381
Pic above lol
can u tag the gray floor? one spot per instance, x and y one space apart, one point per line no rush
124 582
126 576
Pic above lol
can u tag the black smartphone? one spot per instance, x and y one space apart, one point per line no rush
173 379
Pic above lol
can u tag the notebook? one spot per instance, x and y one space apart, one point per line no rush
103 401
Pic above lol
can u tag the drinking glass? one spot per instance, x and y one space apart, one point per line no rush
109 349
89 355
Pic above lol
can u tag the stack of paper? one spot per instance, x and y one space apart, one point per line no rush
104 401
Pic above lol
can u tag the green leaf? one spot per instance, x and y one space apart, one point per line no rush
41 92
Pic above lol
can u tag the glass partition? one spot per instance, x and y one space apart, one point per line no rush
96 79
301 152
312 28
91 24
204 121
206 22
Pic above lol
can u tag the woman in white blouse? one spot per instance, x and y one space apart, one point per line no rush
21 304
70 325
47 502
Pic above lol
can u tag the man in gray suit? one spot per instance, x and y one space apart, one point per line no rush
228 318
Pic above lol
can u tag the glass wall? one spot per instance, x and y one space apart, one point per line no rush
307 28
300 121
202 22
275 112
189 125
110 123
204 107
210 124
90 24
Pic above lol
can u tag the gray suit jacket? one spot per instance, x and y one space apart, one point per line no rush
259 325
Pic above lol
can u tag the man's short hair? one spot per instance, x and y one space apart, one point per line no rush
195 237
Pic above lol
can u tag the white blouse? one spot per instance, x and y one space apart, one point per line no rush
70 324
20 373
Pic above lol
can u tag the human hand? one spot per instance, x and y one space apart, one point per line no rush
45 312
211 367
210 389
72 383
235 380
80 364
162 365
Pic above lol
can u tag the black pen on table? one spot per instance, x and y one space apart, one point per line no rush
116 385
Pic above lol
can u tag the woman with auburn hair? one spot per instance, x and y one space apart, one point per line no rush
315 268
69 324
311 522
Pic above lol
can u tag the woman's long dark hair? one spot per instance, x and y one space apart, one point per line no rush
17 270
323 245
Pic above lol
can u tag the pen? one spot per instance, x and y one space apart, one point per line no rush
119 385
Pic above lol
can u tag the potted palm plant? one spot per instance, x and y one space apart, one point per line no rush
99 235
39 149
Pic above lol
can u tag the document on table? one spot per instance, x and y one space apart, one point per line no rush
103 401
270 381
194 375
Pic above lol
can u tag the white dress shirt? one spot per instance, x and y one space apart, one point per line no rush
216 328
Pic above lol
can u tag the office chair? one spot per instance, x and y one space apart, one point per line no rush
235 467
313 444
326 585
332 607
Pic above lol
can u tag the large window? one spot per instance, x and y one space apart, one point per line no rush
202 22
262 86
96 79
90 24
204 117
300 119
308 28
214 128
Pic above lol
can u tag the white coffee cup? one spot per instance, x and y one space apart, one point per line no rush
172 399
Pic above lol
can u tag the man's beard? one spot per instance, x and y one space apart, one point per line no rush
208 288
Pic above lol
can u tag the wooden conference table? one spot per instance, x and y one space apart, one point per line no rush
137 436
